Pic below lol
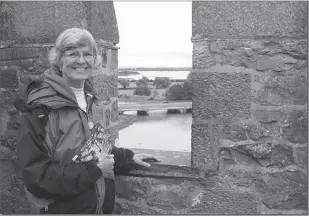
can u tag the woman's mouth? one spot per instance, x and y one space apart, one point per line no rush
80 69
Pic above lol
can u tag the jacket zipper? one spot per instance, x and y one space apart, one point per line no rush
95 184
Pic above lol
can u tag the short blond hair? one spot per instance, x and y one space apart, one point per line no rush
72 38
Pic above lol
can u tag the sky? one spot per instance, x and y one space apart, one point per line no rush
154 34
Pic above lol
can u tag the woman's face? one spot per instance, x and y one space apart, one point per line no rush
77 64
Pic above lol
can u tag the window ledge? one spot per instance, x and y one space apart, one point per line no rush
173 165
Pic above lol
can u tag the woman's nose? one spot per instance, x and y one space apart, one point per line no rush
81 59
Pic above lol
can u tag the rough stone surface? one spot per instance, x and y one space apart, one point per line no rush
37 22
268 116
240 131
234 132
267 55
302 155
205 146
223 202
19 53
102 20
253 19
221 96
131 188
8 78
202 57
286 190
105 86
280 90
269 155
296 128
184 197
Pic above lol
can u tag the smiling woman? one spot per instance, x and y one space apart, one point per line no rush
57 121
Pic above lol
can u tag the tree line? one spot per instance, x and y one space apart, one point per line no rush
175 92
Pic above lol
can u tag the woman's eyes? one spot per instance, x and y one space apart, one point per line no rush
76 54
88 54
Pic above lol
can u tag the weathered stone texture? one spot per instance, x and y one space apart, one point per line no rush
261 55
241 19
202 58
41 22
19 53
260 48
114 62
239 131
280 90
296 128
268 116
184 197
131 188
286 190
102 20
302 155
205 146
269 155
8 78
221 96
105 86
200 145
223 202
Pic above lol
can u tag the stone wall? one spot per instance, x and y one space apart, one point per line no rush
27 32
250 98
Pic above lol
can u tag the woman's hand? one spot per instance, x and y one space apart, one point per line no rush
138 159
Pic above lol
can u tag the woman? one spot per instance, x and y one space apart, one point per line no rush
56 120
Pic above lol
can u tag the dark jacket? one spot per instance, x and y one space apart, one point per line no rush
51 129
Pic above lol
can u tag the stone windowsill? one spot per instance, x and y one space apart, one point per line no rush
172 165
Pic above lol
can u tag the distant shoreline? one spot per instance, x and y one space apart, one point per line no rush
125 121
136 69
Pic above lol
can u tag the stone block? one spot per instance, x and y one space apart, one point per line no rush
8 78
114 59
19 53
102 20
42 62
260 55
218 201
202 57
302 155
106 112
237 178
268 116
295 128
285 190
221 96
257 132
132 188
205 146
280 90
104 86
7 96
234 132
123 206
266 154
42 22
168 200
248 19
